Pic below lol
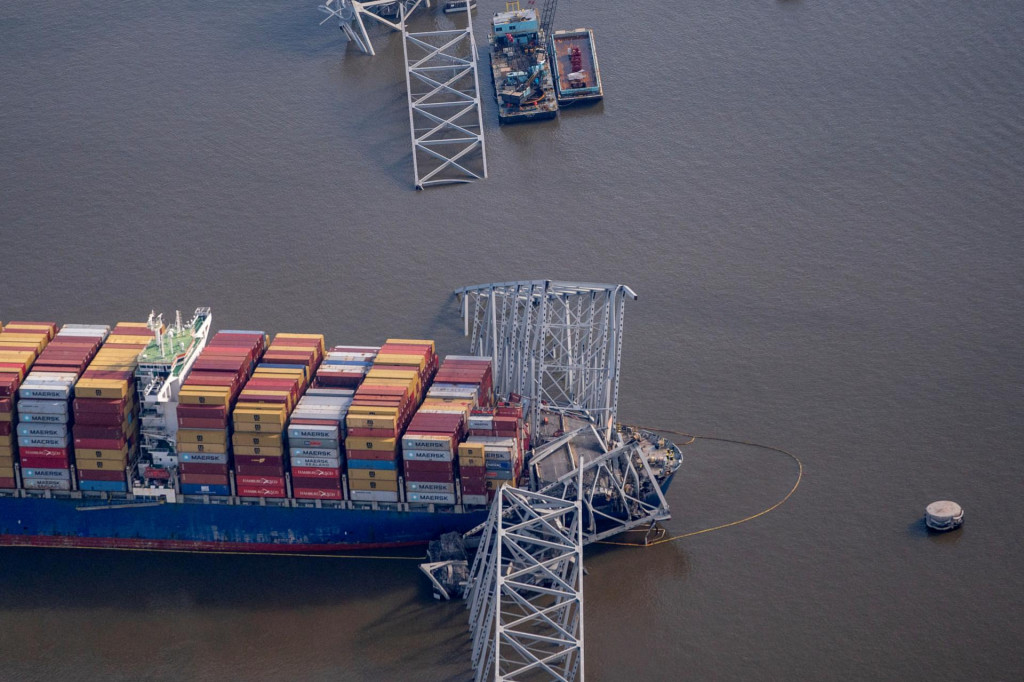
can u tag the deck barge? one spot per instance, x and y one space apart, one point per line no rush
519 67
576 74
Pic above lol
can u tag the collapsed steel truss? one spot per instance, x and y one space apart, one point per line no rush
618 489
553 343
526 599
353 16
445 117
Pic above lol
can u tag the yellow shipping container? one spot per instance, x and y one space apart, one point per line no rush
318 337
265 439
413 342
202 436
495 483
372 475
6 441
6 451
259 412
36 341
6 462
417 362
81 454
370 443
6 417
6 472
101 388
258 450
211 448
358 421
471 449
102 464
363 484
213 395
471 461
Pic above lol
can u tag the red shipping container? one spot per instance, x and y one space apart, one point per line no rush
266 481
203 411
29 462
373 433
472 472
322 483
204 468
260 491
196 423
314 494
431 477
316 472
100 475
259 469
8 383
7 482
100 443
53 453
113 407
379 455
106 432
473 487
109 374
6 404
259 460
6 428
204 479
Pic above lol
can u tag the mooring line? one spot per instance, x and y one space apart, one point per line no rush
799 477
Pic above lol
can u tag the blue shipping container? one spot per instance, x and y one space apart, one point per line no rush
197 489
105 486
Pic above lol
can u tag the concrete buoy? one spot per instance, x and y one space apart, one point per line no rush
943 515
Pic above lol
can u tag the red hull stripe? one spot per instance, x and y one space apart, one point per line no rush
140 544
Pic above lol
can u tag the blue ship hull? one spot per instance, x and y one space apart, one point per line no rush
218 527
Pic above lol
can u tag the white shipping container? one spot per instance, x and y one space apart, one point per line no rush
429 487
43 406
428 455
26 417
45 484
431 498
373 496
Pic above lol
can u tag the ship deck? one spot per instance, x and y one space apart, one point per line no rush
561 44
547 107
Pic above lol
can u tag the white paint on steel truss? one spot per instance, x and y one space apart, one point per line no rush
351 15
526 600
618 489
553 343
445 117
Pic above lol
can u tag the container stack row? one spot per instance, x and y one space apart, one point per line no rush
317 430
318 427
45 411
381 409
466 381
20 344
263 409
106 420
204 410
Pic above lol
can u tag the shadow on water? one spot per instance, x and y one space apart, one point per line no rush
187 580
919 530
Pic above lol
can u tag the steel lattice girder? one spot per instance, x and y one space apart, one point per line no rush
554 343
618 489
445 117
526 599
351 12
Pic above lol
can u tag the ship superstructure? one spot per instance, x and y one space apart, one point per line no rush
162 367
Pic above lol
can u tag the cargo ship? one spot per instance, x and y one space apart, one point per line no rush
146 436
576 74
519 66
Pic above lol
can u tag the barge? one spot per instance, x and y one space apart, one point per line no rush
576 74
519 67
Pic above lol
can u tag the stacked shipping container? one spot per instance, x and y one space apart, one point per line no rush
44 410
261 415
20 345
381 409
105 415
204 405
466 381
